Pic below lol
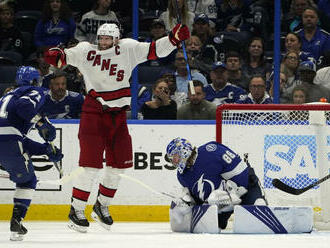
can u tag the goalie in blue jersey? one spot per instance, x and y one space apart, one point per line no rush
20 110
211 175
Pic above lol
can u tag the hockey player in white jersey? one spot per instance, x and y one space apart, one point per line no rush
107 68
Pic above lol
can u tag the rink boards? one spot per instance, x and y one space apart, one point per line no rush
132 202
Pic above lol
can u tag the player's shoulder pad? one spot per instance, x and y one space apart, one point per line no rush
211 146
81 45
128 42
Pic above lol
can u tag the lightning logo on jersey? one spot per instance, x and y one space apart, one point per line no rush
200 184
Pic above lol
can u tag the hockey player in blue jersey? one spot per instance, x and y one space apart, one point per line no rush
19 112
213 174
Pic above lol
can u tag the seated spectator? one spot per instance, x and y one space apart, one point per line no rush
314 39
299 95
235 75
161 107
289 67
258 94
209 48
179 97
170 17
56 25
284 98
61 103
182 73
293 44
199 60
220 91
254 62
11 38
293 22
323 75
307 70
92 20
197 108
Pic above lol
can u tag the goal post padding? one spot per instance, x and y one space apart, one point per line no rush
289 142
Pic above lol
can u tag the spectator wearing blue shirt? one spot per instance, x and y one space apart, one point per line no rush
182 73
56 26
258 94
61 103
314 39
220 91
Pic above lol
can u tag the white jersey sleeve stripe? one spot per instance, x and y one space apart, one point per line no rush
236 171
9 131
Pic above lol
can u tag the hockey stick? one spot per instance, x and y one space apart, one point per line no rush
146 186
65 179
179 20
288 189
57 166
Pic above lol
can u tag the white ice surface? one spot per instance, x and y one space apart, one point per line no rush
153 235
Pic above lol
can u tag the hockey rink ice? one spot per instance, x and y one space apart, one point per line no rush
151 235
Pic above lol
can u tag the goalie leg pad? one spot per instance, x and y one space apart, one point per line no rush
197 219
265 219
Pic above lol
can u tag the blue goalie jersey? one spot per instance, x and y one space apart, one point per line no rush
215 162
17 109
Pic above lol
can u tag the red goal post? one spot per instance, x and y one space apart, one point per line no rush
285 141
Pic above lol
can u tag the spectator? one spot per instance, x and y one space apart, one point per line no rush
199 58
90 22
299 95
170 16
61 103
220 91
157 31
284 98
323 75
293 21
197 108
258 94
289 67
161 107
235 75
11 38
307 70
56 25
293 44
255 62
314 39
179 97
182 73
201 28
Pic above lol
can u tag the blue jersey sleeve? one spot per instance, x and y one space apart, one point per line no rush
33 147
28 105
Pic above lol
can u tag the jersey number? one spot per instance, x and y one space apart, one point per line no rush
5 101
228 157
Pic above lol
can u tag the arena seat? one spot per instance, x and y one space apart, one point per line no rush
26 22
10 58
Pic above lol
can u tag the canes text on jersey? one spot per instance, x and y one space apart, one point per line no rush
106 63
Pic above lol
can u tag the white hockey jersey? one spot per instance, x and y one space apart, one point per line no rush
107 72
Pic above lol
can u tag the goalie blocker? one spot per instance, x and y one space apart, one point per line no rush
251 219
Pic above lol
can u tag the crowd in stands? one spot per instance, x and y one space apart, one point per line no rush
230 51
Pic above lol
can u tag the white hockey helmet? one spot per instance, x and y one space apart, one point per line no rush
109 29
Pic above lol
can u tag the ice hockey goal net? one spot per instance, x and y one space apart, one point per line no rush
289 142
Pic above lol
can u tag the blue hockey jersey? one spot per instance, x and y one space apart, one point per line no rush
69 107
215 162
17 109
228 94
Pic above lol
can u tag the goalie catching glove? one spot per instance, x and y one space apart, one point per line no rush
179 33
55 56
227 195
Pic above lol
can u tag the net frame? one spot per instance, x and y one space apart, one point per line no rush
318 117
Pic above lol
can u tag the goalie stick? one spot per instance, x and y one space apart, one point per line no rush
290 190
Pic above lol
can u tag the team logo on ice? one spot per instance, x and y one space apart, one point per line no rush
211 147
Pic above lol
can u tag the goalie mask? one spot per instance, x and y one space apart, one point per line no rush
178 151
27 75
109 29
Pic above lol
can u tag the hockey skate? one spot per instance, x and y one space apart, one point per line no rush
77 220
16 227
101 215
